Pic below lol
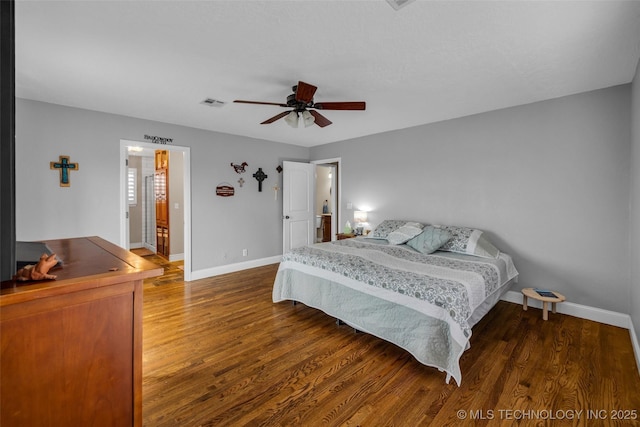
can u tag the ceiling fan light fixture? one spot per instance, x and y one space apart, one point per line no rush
292 119
308 119
300 100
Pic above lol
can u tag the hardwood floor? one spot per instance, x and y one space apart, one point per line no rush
219 352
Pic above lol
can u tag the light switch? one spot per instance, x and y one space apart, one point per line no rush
349 205
176 205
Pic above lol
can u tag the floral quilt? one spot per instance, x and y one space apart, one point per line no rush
435 294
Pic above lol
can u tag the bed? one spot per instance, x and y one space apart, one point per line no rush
402 290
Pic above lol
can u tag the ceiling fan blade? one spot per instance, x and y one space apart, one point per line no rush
305 92
340 105
260 103
274 118
321 120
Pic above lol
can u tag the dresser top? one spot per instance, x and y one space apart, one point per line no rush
86 262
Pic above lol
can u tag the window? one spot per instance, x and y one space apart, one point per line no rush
132 186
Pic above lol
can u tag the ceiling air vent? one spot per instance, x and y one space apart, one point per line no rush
397 4
213 102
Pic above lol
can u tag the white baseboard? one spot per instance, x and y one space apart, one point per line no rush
176 257
232 268
582 311
607 317
634 342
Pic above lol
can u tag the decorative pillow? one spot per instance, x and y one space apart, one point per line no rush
430 240
385 227
404 233
469 241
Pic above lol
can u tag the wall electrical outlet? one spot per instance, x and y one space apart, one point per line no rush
245 252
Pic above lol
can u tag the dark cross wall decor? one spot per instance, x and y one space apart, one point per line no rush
260 176
64 165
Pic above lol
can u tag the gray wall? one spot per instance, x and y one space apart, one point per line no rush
549 182
635 205
221 227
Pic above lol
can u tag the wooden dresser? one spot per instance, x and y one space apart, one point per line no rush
326 227
71 348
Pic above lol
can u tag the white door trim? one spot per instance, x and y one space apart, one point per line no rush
124 235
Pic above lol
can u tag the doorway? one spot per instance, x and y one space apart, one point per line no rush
181 211
300 207
325 204
140 198
328 187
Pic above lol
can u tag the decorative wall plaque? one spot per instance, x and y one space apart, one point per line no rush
158 139
224 189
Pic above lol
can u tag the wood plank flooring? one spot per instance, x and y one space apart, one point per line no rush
219 352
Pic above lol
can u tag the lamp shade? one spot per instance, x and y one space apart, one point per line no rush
307 118
292 119
360 216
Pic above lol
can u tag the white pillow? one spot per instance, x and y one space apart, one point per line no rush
385 227
405 233
469 241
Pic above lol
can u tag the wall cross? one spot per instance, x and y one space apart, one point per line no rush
64 165
260 176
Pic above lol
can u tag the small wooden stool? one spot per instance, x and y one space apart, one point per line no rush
531 293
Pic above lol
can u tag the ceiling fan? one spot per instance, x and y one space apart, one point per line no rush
301 102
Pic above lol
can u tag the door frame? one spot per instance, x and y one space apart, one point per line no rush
124 207
337 194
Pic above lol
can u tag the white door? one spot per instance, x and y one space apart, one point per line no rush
298 199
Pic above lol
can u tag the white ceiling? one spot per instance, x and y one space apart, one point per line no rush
427 62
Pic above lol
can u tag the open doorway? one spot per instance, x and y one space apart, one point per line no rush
300 208
141 199
138 222
328 212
